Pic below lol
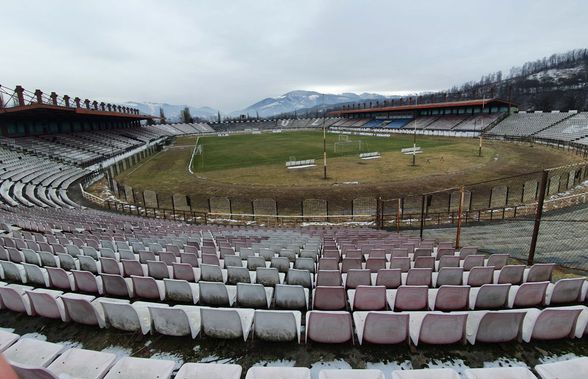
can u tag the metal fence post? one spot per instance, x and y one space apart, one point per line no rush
459 211
538 214
422 215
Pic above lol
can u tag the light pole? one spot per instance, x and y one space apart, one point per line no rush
482 128
324 143
415 129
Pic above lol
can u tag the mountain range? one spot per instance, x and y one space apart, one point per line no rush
290 102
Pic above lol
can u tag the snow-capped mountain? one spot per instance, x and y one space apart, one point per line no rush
172 111
298 100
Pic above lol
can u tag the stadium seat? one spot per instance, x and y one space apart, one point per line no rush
329 298
428 373
290 297
216 294
78 363
180 320
436 328
254 295
329 326
351 374
278 372
499 372
30 352
527 295
121 314
384 328
209 370
570 369
357 277
367 298
277 326
227 323
489 296
494 326
449 298
409 298
140 368
551 323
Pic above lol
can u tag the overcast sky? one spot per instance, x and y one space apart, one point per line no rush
229 54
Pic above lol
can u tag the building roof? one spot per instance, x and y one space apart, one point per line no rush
414 107
35 110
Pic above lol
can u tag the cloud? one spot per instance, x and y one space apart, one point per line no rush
229 54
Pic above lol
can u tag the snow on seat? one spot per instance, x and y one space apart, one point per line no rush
141 368
278 372
329 326
551 323
7 339
494 326
210 371
180 320
277 326
426 373
47 303
437 328
81 363
122 315
351 374
30 352
226 323
381 327
499 372
576 368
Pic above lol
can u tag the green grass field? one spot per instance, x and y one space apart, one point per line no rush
240 151
253 166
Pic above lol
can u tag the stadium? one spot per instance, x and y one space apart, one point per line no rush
430 235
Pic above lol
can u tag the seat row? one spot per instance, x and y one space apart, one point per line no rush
41 359
376 327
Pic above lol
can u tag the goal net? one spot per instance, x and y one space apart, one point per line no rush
345 145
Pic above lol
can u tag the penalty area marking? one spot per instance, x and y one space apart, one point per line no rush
192 157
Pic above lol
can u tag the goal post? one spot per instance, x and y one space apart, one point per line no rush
348 146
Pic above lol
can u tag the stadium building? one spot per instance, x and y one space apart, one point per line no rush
110 287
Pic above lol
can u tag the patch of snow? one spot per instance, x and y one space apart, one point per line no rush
215 359
119 351
37 336
276 363
170 357
316 367
557 358
388 367
456 364
505 362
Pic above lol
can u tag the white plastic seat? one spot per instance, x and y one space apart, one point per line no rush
32 352
427 373
499 372
278 372
227 323
351 374
122 315
7 339
180 320
209 370
381 327
47 303
277 326
576 368
494 326
141 368
81 363
181 291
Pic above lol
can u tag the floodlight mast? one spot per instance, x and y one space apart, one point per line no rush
482 128
324 143
415 129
